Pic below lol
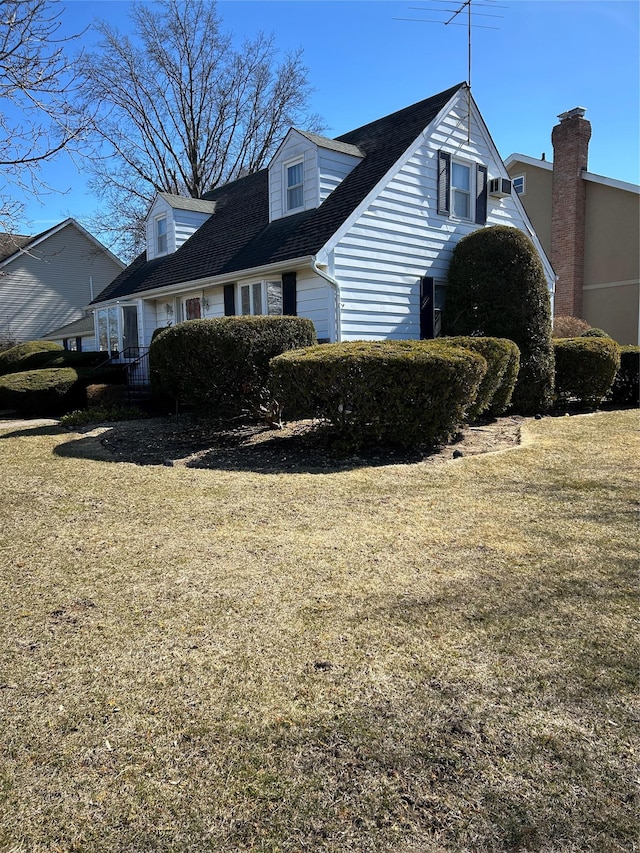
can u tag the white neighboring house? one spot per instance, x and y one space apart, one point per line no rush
46 281
355 233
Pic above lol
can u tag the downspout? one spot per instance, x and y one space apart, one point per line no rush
336 286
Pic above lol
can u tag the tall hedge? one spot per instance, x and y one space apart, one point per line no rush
625 390
223 364
585 368
392 393
497 288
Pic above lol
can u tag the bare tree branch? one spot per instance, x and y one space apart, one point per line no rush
175 108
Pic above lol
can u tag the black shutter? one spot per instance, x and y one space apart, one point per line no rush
229 300
289 301
481 195
426 307
444 183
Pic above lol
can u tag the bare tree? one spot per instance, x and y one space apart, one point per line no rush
36 82
178 109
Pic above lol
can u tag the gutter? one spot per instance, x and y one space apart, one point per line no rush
336 286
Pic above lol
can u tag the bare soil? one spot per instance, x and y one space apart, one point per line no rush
300 445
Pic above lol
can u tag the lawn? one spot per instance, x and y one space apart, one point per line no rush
404 658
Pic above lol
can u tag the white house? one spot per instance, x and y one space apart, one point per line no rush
355 233
47 280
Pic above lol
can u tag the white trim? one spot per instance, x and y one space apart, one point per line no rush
24 250
286 165
528 161
628 283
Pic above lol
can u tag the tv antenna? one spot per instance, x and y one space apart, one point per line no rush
454 17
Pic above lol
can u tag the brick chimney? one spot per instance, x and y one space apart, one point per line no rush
570 141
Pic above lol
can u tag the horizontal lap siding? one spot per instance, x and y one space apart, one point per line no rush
316 301
400 237
333 167
186 223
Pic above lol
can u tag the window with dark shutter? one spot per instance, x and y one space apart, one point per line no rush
426 307
481 195
289 297
444 182
229 300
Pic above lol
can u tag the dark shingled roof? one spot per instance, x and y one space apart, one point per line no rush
12 243
239 236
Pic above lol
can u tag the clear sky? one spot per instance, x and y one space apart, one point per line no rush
546 56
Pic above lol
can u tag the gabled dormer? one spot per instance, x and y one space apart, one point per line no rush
305 169
171 220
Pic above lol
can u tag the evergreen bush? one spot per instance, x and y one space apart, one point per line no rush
585 369
38 393
594 332
405 394
501 356
496 288
29 355
625 390
223 364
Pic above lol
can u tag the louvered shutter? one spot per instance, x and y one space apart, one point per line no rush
444 182
426 307
289 298
229 300
481 195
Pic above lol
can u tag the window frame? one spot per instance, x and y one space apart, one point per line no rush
181 306
262 287
523 179
158 236
286 167
469 192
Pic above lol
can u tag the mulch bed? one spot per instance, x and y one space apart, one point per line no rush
300 446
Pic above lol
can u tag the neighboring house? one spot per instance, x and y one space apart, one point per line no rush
46 281
589 226
80 335
355 233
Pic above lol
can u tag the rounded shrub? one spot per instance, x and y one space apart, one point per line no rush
223 364
625 390
405 394
502 356
569 327
496 288
29 355
585 369
594 332
41 392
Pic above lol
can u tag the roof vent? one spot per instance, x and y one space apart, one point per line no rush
576 111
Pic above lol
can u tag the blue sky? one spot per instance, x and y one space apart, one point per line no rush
546 57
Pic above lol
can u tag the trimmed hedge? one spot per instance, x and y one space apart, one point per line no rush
496 287
625 390
503 363
594 332
29 355
41 392
585 368
223 364
405 394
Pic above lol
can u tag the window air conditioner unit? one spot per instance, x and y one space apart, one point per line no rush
499 187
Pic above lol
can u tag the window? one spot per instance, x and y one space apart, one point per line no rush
261 297
189 308
461 190
295 194
161 235
519 184
108 338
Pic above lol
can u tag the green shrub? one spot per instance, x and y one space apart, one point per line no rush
625 390
496 288
405 394
77 360
501 355
585 369
223 364
100 415
29 355
41 392
594 332
569 327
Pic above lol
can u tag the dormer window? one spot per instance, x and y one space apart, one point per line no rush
295 194
161 235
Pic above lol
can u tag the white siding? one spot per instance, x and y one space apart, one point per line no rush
186 223
333 167
400 237
50 286
159 208
316 301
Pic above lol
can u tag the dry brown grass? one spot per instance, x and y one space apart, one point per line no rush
403 658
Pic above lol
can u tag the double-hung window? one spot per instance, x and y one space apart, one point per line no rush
161 235
519 184
295 188
261 297
461 190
